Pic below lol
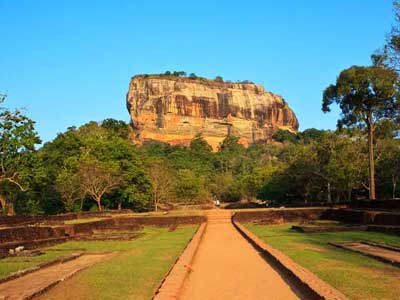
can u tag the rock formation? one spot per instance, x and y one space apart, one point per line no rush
174 109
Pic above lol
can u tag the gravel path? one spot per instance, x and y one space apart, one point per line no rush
226 267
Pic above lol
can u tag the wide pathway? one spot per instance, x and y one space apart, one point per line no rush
226 267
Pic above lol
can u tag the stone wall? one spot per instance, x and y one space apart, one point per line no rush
279 215
14 234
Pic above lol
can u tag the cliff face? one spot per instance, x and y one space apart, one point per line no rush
173 110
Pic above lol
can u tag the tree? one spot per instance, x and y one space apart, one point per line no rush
190 188
387 129
193 76
389 56
200 146
302 169
179 73
231 145
312 134
388 163
98 178
162 181
17 142
118 127
285 135
230 154
219 79
343 163
251 183
69 186
106 145
221 183
365 95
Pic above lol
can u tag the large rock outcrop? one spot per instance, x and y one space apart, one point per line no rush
173 110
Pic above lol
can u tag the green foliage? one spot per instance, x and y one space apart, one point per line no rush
119 127
162 180
200 146
219 79
285 136
190 188
99 150
95 166
17 147
389 56
312 134
387 129
179 73
230 145
364 94
334 167
388 167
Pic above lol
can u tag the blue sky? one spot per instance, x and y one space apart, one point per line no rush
69 62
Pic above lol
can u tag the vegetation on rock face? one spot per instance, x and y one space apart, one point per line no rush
183 74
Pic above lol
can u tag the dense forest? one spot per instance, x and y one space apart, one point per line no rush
96 166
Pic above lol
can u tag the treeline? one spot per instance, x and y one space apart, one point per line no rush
183 74
96 167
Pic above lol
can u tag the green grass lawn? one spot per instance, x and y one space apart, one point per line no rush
134 273
355 275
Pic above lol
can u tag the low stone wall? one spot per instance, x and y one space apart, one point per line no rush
363 217
30 233
376 204
276 216
391 219
87 228
349 216
25 220
166 221
385 229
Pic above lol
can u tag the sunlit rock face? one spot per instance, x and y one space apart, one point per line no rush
173 110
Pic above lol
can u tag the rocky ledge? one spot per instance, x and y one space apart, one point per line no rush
173 110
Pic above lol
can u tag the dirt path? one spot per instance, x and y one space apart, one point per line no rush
227 267
31 284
